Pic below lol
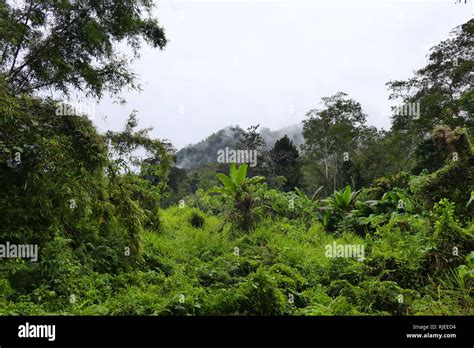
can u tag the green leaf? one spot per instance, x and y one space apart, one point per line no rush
227 182
232 171
221 190
462 271
256 179
240 174
347 196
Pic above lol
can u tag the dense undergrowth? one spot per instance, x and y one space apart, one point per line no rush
240 249
401 244
280 267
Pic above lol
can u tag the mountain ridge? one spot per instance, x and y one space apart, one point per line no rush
205 151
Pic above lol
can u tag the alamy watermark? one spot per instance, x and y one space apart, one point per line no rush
345 250
37 331
408 109
76 109
22 251
227 155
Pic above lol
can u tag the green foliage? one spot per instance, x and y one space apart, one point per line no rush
399 250
438 104
451 243
450 293
454 181
6 290
293 205
328 134
239 189
385 184
65 190
92 203
285 161
278 269
343 199
262 296
252 140
336 207
382 297
459 283
64 44
209 202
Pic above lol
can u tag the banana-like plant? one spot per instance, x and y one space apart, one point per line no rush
336 206
238 187
343 199
391 202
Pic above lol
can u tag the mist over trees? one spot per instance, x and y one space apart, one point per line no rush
204 152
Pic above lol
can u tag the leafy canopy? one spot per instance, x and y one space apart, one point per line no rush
59 45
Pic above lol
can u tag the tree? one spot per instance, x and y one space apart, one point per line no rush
285 161
378 154
61 168
251 140
331 135
194 182
455 180
443 89
175 177
238 188
62 44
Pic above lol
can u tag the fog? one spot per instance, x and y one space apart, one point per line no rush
269 62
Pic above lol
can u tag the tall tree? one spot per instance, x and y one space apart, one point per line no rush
252 141
331 135
57 45
285 161
443 89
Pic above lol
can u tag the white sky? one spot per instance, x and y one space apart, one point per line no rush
269 62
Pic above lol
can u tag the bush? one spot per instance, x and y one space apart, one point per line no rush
5 290
451 243
262 296
455 180
382 185
383 297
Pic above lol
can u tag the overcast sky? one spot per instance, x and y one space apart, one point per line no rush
269 62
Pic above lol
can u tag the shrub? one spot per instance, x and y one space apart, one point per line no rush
459 283
451 243
385 184
262 296
455 180
397 270
383 297
5 290
343 269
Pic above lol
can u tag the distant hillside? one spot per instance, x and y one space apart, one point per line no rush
293 132
205 151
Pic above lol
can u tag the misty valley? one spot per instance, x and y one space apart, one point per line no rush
326 208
